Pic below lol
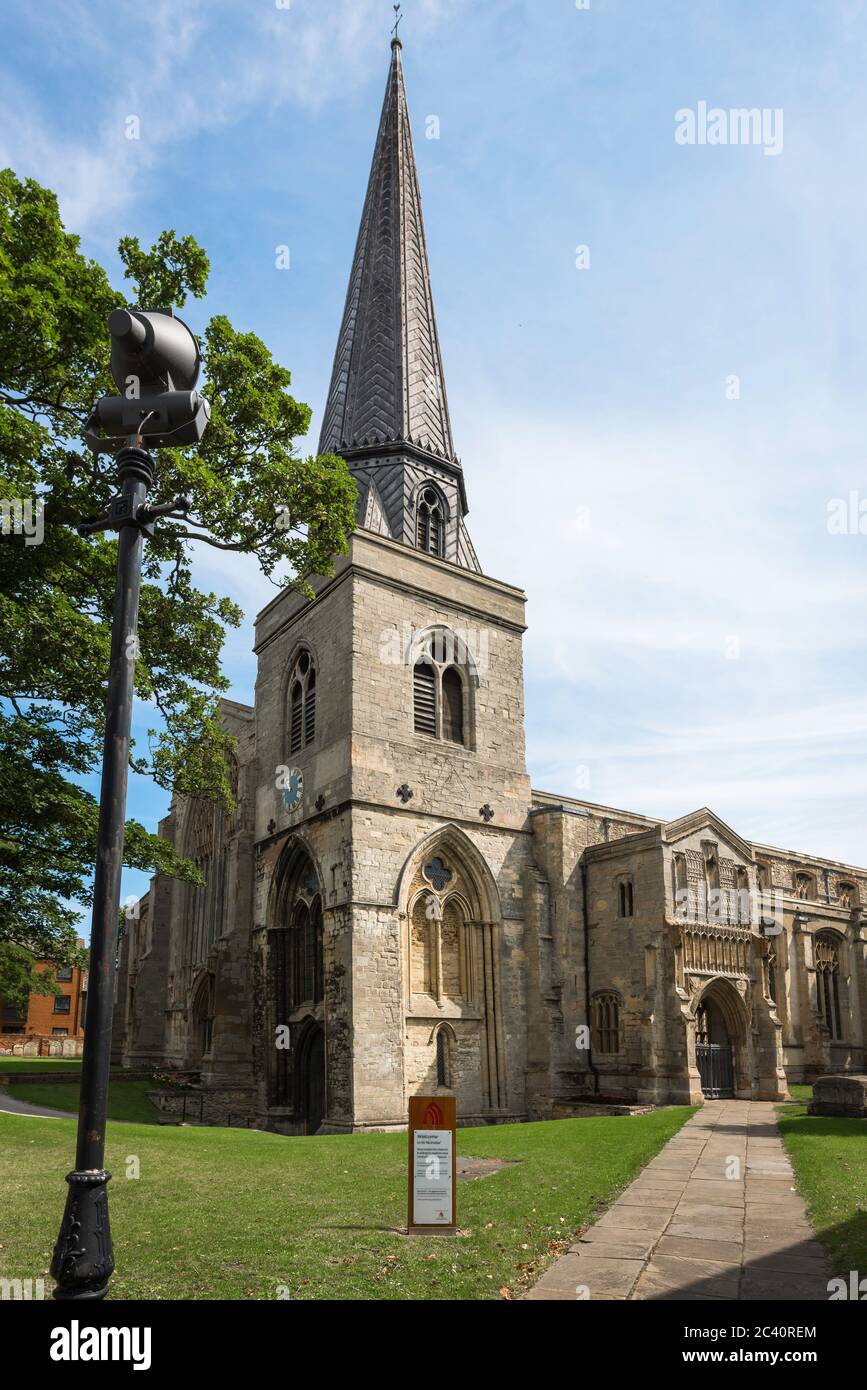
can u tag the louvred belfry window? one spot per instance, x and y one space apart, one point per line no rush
424 699
310 708
430 528
443 704
453 706
302 703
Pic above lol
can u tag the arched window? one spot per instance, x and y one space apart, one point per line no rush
430 522
203 1018
425 918
606 1024
440 702
625 898
305 956
442 1058
847 895
828 984
681 891
302 703
772 971
805 887
453 706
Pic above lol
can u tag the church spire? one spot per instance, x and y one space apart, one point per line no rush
387 413
387 383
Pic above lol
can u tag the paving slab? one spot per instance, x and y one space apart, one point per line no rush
651 1197
620 1238
654 1219
724 1252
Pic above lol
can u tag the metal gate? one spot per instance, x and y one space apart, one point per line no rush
715 1069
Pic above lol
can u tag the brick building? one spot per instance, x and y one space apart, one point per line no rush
392 909
50 1015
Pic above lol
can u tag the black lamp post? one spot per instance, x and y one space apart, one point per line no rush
155 364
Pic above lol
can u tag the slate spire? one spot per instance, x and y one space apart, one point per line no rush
387 382
387 413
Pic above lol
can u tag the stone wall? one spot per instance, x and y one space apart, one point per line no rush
36 1045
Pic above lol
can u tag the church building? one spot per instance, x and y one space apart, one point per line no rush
392 909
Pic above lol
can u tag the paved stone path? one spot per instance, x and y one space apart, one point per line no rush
12 1106
696 1225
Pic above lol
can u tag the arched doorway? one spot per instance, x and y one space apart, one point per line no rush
296 984
311 1078
201 1031
713 1051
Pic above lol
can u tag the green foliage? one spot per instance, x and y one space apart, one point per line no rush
19 977
251 492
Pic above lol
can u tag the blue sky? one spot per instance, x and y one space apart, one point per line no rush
696 633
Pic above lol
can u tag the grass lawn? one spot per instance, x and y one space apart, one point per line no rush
39 1064
127 1100
803 1093
830 1161
226 1213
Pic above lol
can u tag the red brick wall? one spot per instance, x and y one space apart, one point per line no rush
43 1016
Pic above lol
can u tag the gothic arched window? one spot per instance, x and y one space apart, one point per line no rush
606 1024
305 956
430 523
805 887
442 1058
828 983
302 703
772 971
439 686
203 1017
425 916
681 891
847 895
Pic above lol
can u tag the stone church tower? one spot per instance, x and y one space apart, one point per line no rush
391 910
395 701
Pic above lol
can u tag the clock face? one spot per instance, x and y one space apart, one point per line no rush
293 791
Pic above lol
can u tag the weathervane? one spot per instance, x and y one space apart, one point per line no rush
397 21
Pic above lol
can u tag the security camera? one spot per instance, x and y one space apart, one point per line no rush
155 363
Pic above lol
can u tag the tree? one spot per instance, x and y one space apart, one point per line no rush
251 494
19 977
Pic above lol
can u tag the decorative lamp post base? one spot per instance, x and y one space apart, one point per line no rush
83 1259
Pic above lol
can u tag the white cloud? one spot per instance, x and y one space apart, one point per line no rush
182 70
